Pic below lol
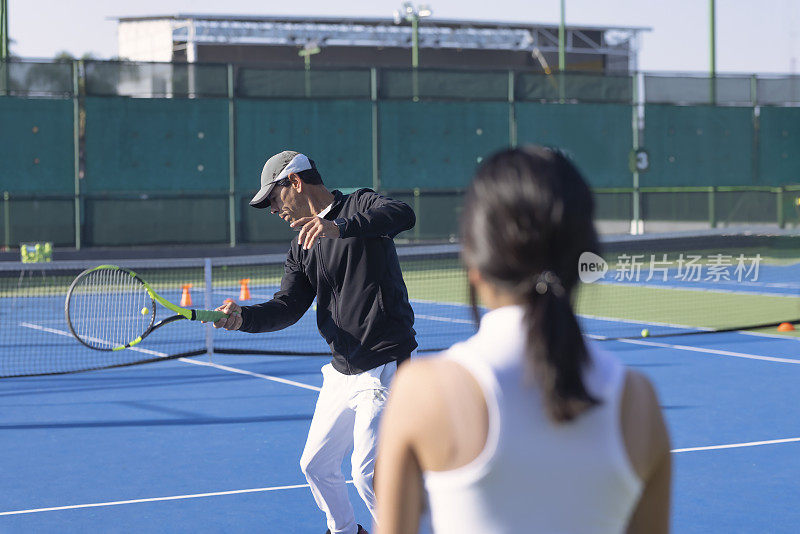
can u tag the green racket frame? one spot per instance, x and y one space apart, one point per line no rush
181 313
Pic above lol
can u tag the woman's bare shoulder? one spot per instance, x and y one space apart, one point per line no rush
643 427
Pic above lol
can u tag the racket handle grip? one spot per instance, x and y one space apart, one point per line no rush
208 316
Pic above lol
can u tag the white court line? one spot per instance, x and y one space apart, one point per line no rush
764 334
695 288
444 319
156 499
708 351
296 486
68 334
645 323
737 445
187 360
250 373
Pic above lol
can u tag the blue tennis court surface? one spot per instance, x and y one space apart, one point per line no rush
184 446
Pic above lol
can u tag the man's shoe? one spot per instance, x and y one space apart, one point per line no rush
360 530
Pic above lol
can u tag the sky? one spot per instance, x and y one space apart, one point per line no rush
753 36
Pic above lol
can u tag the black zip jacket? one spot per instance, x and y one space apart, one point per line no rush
362 303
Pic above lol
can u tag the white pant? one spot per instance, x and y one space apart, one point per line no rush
347 415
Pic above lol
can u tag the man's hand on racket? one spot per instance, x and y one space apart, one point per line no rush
312 228
234 319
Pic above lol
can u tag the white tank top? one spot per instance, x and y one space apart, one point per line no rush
534 475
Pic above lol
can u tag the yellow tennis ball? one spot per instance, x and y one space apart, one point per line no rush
145 311
645 332
797 201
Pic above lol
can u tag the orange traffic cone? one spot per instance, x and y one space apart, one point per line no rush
244 293
186 297
785 327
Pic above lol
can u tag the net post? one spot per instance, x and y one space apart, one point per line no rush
712 209
207 303
781 216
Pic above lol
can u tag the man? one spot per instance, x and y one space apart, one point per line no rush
345 257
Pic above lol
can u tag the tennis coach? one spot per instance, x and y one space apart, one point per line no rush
345 257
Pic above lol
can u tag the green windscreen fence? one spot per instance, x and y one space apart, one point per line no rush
37 171
596 136
568 86
138 151
687 90
39 218
734 207
293 83
438 213
778 91
36 79
155 80
443 84
675 206
156 144
779 145
699 145
157 154
36 145
611 205
155 220
437 145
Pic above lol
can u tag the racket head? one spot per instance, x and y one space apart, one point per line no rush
104 308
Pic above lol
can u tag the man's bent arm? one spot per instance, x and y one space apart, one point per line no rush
287 305
378 216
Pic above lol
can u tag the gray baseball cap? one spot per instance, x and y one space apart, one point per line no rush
276 169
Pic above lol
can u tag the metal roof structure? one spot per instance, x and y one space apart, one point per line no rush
199 29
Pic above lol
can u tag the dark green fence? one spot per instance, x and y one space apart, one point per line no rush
103 154
700 146
779 144
37 145
437 144
598 137
135 144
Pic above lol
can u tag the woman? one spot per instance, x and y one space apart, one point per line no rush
525 427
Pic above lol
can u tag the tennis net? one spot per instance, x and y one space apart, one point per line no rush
665 286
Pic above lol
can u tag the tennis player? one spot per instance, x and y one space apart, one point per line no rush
344 256
524 427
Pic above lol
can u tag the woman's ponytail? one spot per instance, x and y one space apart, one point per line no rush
555 349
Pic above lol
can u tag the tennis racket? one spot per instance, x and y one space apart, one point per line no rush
111 308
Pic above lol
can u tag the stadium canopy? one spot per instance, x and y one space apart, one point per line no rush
188 31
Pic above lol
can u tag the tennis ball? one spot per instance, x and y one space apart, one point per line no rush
797 201
645 332
145 311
